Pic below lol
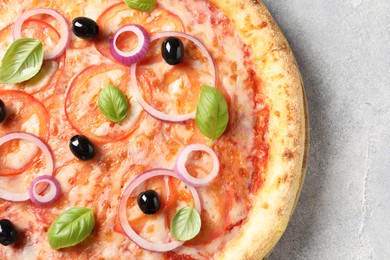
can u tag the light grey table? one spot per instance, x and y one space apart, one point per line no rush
343 50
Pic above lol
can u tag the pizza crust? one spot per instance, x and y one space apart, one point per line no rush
277 67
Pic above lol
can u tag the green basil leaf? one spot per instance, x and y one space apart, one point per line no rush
186 224
71 227
212 115
141 5
113 103
22 61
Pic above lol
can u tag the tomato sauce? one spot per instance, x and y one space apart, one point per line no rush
66 105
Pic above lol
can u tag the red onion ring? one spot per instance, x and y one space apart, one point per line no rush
23 196
157 247
134 56
151 110
64 30
48 198
181 169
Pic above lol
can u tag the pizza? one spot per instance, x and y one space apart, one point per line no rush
167 129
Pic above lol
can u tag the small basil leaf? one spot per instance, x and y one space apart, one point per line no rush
186 224
71 227
141 5
113 103
22 61
212 115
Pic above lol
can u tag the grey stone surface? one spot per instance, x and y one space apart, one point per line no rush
343 49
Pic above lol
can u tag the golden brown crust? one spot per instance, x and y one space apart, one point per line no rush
284 95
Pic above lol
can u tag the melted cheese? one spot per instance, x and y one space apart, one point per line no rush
100 182
176 87
26 150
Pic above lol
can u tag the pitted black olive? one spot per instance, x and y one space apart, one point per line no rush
84 27
172 50
149 202
8 233
81 147
2 111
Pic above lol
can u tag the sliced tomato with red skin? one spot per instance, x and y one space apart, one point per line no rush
151 226
79 8
82 109
51 70
81 184
216 205
38 27
119 15
215 221
133 171
176 89
75 42
175 196
139 220
23 113
44 83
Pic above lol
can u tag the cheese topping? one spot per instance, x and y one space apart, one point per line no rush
141 142
26 150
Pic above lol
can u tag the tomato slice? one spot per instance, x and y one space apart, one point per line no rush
78 9
23 113
215 214
44 83
81 103
173 194
75 42
82 185
176 89
118 15
42 30
137 219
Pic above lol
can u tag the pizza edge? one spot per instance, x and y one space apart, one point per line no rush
287 134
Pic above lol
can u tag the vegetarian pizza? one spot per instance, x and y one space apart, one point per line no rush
146 129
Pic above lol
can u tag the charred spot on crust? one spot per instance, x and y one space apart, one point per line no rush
285 177
280 211
289 155
278 182
282 179
263 24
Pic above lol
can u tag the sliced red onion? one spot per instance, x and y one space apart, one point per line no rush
157 247
134 56
182 170
48 198
64 30
151 110
23 196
